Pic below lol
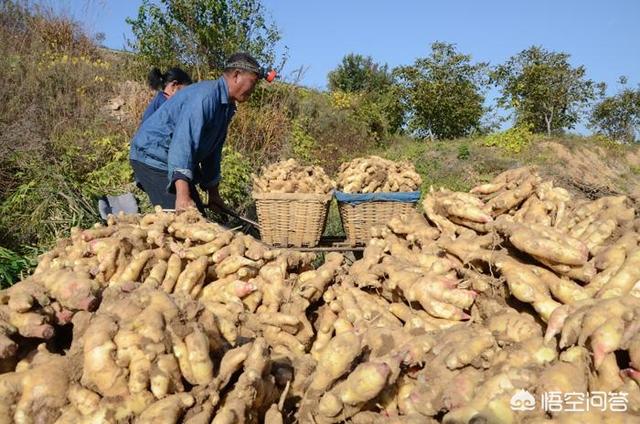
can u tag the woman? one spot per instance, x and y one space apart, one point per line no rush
167 85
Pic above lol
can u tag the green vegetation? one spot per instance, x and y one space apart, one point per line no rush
544 90
368 89
302 144
357 73
463 152
513 140
58 150
202 33
618 116
236 181
13 266
443 93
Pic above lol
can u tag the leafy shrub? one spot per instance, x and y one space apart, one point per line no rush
343 100
115 175
44 208
302 144
62 191
236 173
369 90
380 112
618 117
512 140
338 133
607 142
463 152
261 126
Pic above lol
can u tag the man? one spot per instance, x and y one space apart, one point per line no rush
180 145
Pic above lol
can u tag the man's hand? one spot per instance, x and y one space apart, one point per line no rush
183 196
215 203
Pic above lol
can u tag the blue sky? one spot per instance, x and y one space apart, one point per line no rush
604 36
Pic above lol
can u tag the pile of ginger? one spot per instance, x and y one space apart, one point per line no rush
374 174
289 176
515 288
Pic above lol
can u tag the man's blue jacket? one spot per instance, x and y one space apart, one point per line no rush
186 134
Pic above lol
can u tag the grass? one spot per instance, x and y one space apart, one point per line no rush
13 266
334 222
463 163
453 164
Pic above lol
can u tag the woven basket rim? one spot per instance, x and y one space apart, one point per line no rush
410 202
378 192
293 196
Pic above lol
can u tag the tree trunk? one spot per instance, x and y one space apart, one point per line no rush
630 135
548 118
430 135
548 125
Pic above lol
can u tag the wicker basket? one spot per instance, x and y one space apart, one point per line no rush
292 219
359 217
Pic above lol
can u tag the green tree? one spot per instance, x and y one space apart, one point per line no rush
443 93
370 91
618 116
357 73
544 90
202 33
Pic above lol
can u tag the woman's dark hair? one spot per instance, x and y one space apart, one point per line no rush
158 81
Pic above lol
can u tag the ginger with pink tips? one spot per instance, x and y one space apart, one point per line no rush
75 291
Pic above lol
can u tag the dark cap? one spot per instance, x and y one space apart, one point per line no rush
244 62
